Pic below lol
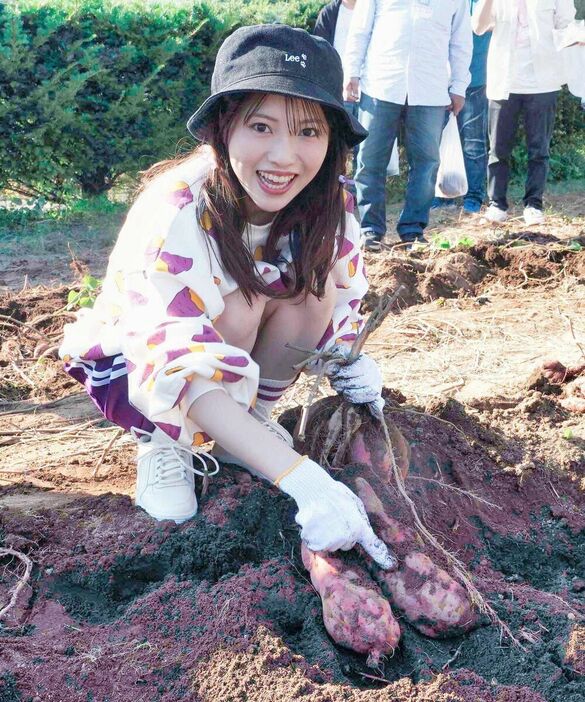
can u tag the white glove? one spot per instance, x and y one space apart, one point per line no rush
359 382
330 515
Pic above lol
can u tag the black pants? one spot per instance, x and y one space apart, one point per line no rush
538 111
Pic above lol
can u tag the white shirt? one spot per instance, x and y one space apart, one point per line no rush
523 74
342 28
547 21
415 50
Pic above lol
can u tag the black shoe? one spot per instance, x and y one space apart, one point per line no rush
372 242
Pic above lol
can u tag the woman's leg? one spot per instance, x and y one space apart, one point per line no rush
266 327
240 322
300 322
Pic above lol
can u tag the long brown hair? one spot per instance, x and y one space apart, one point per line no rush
310 221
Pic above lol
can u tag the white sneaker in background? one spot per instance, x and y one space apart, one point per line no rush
495 214
532 215
165 482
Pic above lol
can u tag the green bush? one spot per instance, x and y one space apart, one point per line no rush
92 89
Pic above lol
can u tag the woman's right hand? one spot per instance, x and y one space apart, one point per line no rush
331 517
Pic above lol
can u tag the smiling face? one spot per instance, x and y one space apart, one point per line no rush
276 147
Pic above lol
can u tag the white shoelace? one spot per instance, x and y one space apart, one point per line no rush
173 462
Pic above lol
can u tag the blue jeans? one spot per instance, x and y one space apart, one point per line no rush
424 125
473 128
353 108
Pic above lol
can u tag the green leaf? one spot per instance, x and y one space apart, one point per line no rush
90 282
72 297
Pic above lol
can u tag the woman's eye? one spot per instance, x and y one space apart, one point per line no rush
260 127
309 132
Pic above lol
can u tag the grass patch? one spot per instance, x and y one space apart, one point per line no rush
36 227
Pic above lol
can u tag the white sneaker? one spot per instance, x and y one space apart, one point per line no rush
278 430
495 214
532 215
165 483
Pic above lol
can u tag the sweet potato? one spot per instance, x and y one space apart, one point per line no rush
369 446
338 433
430 599
354 612
388 529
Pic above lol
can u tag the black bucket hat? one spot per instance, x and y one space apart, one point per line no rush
276 58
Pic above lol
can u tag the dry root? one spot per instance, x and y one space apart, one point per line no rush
22 581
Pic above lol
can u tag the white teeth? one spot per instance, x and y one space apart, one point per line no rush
271 178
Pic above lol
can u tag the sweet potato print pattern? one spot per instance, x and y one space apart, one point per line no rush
169 285
186 303
173 263
179 194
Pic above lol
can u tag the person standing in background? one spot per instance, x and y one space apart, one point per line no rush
333 22
524 74
473 127
408 58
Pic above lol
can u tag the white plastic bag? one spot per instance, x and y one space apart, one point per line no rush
574 59
451 178
394 164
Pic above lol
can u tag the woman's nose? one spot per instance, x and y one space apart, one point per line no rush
282 151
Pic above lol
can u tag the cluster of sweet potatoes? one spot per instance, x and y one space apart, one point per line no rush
358 603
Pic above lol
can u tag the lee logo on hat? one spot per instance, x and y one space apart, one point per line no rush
297 59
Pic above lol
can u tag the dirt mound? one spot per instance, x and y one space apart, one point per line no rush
523 262
124 608
567 383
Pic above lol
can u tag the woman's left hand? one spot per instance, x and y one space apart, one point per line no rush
359 382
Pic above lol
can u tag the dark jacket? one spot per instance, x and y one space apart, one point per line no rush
327 21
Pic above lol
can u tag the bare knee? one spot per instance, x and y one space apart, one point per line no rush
312 311
239 322
320 308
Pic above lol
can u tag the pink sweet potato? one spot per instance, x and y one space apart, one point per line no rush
430 599
369 446
388 529
354 612
338 433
